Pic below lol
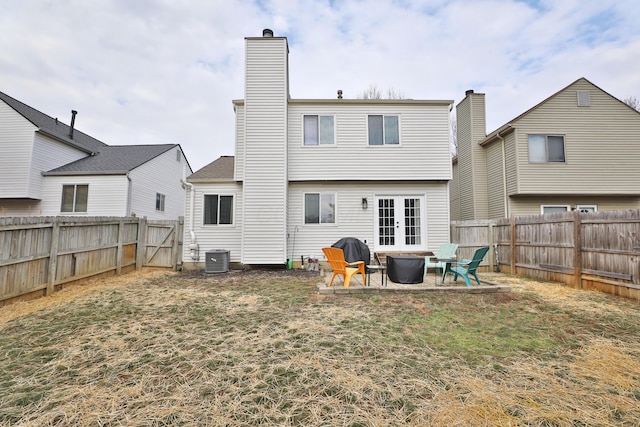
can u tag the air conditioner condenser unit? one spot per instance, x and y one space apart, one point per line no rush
217 261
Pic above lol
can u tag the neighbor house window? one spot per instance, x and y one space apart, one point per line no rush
587 208
319 208
319 130
546 148
218 209
546 209
160 202
383 130
74 198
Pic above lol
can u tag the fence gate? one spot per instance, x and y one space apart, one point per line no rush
162 243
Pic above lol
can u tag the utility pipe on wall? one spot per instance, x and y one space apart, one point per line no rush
193 247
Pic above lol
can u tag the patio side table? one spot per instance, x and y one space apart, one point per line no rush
381 269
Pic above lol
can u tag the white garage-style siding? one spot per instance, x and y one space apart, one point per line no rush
158 176
265 151
423 152
107 194
16 145
353 221
208 237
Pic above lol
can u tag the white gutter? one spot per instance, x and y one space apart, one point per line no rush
193 247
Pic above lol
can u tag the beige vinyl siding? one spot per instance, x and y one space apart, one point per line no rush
16 144
479 183
210 237
265 159
512 162
423 152
107 194
20 207
454 193
602 145
353 221
240 141
159 175
530 205
49 154
471 128
495 177
465 166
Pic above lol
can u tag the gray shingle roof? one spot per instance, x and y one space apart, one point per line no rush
220 169
104 159
114 159
53 127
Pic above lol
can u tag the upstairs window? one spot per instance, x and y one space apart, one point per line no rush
319 208
319 130
74 198
218 210
383 130
160 202
546 149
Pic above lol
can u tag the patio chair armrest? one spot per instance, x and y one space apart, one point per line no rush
355 264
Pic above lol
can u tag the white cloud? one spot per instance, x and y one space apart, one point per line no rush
153 71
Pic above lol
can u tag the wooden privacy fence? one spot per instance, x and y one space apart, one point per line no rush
39 255
597 251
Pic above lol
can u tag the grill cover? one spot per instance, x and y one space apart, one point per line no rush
354 250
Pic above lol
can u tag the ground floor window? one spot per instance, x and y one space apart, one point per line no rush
160 202
319 208
546 209
218 209
74 198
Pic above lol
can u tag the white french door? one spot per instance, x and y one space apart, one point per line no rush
400 223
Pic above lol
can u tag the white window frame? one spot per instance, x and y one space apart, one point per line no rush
319 132
542 207
546 148
590 208
217 219
160 199
384 131
320 222
74 208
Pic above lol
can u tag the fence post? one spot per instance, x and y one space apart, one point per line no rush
53 256
119 253
577 253
512 261
141 247
492 253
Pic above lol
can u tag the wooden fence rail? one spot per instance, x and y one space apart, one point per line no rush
39 255
597 251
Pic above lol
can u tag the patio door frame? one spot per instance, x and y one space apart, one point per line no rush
393 211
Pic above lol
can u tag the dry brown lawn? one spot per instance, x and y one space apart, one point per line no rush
155 348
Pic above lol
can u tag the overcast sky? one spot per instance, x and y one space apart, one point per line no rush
166 71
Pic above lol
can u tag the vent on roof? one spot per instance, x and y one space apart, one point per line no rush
584 98
217 261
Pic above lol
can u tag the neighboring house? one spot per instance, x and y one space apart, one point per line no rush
579 149
48 168
307 172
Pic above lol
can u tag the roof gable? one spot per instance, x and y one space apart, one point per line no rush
53 127
509 126
220 169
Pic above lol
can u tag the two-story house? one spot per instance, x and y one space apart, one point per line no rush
307 172
48 168
577 149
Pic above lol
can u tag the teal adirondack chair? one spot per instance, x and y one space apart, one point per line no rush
467 266
445 251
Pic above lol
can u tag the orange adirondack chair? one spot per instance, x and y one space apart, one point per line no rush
335 257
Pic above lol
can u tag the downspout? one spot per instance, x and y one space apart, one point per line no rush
193 247
504 177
